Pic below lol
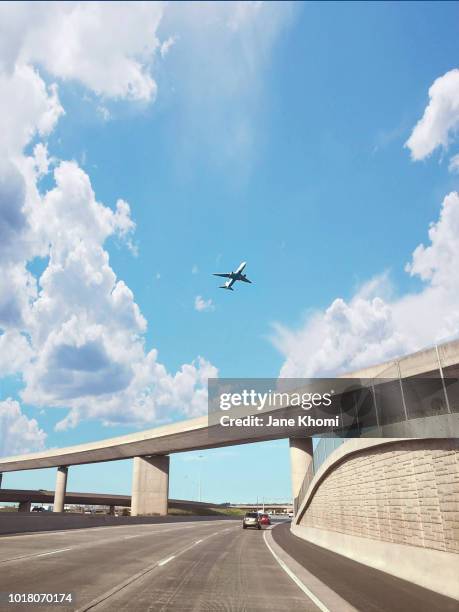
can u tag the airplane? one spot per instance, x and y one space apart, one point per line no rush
233 277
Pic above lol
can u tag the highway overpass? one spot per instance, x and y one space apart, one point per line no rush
26 498
150 449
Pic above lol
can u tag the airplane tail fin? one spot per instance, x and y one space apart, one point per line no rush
225 287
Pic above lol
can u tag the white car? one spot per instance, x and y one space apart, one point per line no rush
251 519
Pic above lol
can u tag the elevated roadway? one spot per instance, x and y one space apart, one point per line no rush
151 448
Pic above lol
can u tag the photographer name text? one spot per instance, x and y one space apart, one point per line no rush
271 421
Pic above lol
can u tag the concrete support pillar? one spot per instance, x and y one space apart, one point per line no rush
150 485
300 461
1 478
24 506
61 486
111 510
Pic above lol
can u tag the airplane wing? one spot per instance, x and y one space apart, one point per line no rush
224 275
244 279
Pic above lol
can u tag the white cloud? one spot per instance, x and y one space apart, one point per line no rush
41 158
13 220
373 327
202 305
438 263
15 352
86 348
85 326
153 395
104 112
27 107
18 433
167 45
453 166
440 121
106 46
18 288
75 332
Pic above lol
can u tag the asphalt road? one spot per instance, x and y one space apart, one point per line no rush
363 587
200 566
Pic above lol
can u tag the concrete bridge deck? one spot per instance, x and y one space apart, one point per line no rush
150 448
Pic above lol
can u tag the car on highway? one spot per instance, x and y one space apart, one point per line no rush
38 509
251 519
264 519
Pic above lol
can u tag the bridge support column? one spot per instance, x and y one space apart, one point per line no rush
300 461
150 485
24 506
1 478
61 486
111 510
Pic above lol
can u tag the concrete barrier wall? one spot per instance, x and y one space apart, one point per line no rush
405 492
26 522
393 505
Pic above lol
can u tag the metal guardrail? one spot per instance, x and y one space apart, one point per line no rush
304 487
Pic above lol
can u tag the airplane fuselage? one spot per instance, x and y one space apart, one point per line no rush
234 276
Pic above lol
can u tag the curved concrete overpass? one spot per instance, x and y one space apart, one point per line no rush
193 434
150 448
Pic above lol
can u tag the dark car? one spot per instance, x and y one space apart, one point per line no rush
38 509
251 519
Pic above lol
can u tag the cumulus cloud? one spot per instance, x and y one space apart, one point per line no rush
454 164
15 352
13 220
202 305
167 45
440 121
153 395
28 107
373 327
18 433
85 326
106 46
74 332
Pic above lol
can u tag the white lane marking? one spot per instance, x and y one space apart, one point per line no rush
34 555
296 580
198 541
53 552
164 561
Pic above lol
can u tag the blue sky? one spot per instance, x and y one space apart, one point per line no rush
276 136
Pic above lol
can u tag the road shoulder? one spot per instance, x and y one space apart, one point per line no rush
322 595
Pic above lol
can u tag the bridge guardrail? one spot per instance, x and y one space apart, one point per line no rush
304 487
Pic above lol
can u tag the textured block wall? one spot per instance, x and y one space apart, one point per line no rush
406 492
